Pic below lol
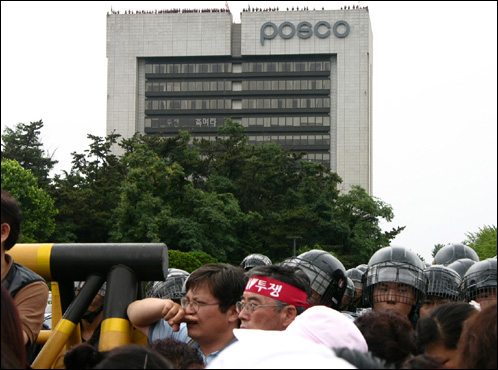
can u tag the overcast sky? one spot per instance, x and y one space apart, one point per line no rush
434 99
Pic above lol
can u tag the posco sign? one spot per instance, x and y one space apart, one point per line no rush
304 30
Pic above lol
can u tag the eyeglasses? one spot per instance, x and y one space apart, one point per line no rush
194 305
249 307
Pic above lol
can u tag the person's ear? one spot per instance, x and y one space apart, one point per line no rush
232 314
288 314
5 232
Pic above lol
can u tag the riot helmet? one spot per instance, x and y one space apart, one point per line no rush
172 288
461 266
356 275
395 265
479 282
255 259
326 273
443 282
363 267
452 252
349 296
79 284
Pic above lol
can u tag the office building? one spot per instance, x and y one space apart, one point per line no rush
302 79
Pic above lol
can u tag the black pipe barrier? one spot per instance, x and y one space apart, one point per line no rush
122 289
64 262
66 326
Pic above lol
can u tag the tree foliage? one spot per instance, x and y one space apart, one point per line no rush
36 205
217 200
483 241
87 194
23 145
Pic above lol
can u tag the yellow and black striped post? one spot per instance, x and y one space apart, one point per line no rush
74 262
67 324
122 289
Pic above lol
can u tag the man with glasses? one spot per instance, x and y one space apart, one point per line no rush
273 297
207 314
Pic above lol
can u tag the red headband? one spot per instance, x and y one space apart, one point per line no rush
277 290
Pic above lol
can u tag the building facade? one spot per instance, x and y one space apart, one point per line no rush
302 79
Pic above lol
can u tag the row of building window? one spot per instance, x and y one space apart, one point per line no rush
279 85
300 66
193 104
188 104
189 68
269 85
188 86
291 140
167 122
248 67
290 103
286 140
310 121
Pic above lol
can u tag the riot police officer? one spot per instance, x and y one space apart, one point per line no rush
327 275
443 287
395 281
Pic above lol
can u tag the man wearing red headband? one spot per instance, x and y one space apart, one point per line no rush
273 297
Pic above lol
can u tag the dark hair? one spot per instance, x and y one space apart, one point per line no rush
82 356
180 354
389 335
288 274
444 324
422 362
226 282
13 349
12 215
131 356
477 346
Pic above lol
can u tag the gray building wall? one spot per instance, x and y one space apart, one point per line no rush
130 37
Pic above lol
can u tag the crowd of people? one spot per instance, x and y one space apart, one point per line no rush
249 9
305 312
172 11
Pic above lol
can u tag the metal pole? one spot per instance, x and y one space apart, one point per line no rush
294 237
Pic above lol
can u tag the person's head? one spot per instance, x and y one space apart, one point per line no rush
452 252
253 260
13 349
443 287
438 333
389 335
477 345
356 275
98 301
133 356
395 281
422 361
326 274
461 266
180 354
11 221
171 288
273 297
479 283
212 292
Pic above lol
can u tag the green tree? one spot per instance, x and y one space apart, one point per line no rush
358 216
23 145
87 194
183 260
158 203
483 241
36 205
